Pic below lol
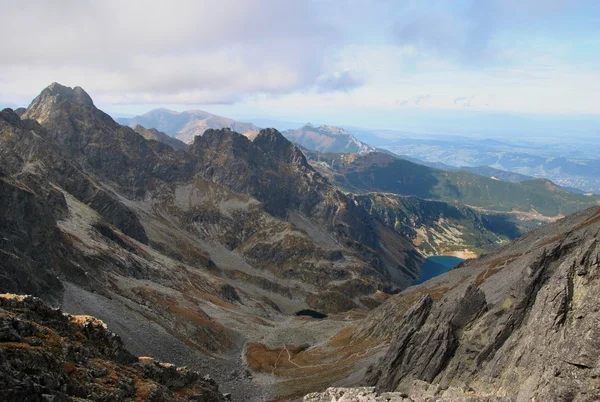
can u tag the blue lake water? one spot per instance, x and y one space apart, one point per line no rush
437 265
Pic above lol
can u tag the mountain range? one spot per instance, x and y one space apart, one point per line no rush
571 168
186 125
202 255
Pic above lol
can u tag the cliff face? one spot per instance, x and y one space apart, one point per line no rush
522 322
47 355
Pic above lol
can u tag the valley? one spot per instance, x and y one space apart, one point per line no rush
276 270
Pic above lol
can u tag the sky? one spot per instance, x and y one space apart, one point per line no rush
376 63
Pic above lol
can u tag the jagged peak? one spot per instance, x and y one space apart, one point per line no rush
269 139
219 132
273 143
214 137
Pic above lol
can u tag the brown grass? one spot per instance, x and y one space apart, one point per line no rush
18 345
218 334
589 221
343 337
69 367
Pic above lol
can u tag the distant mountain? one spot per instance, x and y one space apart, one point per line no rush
186 125
154 134
380 172
327 139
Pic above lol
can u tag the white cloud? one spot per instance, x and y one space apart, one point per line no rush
209 51
302 57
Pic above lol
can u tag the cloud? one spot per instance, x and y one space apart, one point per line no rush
418 100
422 99
338 82
208 51
467 32
465 101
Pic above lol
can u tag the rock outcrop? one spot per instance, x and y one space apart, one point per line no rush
48 355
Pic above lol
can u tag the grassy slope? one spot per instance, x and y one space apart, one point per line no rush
383 173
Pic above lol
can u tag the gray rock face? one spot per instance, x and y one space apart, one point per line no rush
29 240
521 323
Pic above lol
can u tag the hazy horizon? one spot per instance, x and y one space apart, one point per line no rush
378 65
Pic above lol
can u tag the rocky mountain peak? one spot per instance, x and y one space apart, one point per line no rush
56 92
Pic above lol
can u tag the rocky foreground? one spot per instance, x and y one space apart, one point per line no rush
368 394
46 355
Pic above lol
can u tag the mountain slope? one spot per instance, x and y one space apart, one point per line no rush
154 134
563 166
265 169
327 139
437 227
520 322
385 173
186 125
